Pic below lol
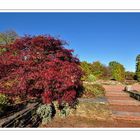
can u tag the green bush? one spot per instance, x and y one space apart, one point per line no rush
3 102
91 78
94 89
64 110
45 112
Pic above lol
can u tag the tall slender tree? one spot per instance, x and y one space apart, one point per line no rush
138 67
117 70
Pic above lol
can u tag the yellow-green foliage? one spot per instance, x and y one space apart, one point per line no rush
94 71
95 89
98 69
3 99
118 71
3 102
91 78
87 69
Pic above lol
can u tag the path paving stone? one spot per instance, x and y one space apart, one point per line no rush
118 97
129 108
122 106
94 100
126 115
123 102
117 94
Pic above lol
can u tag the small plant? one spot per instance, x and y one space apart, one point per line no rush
45 112
56 105
64 110
3 102
94 90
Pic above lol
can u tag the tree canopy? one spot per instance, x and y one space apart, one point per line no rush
41 67
117 70
8 37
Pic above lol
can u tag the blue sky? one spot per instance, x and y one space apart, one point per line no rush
93 36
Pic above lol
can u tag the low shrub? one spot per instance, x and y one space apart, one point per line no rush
93 90
3 102
45 112
64 110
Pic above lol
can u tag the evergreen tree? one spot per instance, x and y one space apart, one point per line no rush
138 67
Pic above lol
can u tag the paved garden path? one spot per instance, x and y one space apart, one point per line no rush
122 106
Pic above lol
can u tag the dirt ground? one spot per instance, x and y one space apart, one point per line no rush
95 116
83 122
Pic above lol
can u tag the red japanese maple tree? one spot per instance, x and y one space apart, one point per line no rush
40 66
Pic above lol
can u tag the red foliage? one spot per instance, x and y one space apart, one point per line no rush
40 66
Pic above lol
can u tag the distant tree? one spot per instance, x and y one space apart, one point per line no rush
97 69
8 37
106 73
117 71
100 71
129 75
138 68
138 58
87 69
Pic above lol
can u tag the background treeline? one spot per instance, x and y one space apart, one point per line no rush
114 71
